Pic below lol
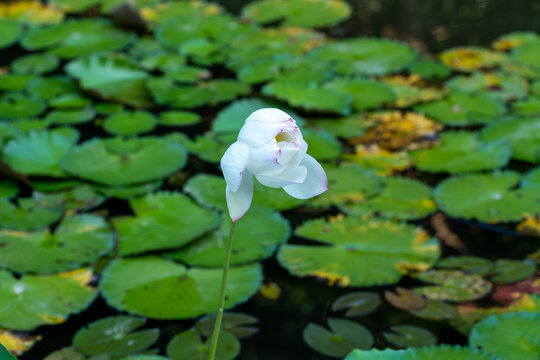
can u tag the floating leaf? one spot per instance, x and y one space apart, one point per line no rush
514 39
40 152
528 106
498 201
10 31
166 290
513 336
31 12
453 285
461 109
322 144
410 90
26 216
70 117
209 146
123 162
365 94
469 264
463 152
69 101
239 324
345 335
407 336
59 296
307 13
528 53
79 197
441 352
471 58
178 118
129 123
405 299
400 198
366 56
189 345
113 78
512 271
17 106
14 82
255 238
359 252
430 70
166 92
35 64
500 86
129 191
52 86
347 127
358 303
523 134
8 189
381 161
114 336
169 219
6 354
436 310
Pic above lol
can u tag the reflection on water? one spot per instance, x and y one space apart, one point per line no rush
434 25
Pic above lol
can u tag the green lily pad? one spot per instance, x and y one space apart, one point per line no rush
70 117
405 299
6 355
10 32
108 108
453 285
124 162
345 335
408 336
523 134
512 271
188 74
350 184
59 296
225 90
359 252
463 152
514 39
471 58
35 64
40 152
8 189
255 238
357 303
322 144
115 336
366 94
400 198
239 324
528 53
169 219
160 60
469 264
75 7
309 96
498 201
78 241
306 13
208 190
441 352
367 56
112 78
47 185
189 345
69 101
512 336
430 70
461 109
408 93
80 197
208 147
166 92
527 107
18 106
14 82
435 310
52 86
500 86
26 216
129 191
178 118
129 123
167 290
75 38
348 127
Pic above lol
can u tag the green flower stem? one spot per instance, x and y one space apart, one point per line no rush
219 317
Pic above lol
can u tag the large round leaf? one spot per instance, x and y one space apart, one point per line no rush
528 53
163 220
167 290
441 352
189 345
18 106
28 215
9 32
116 161
453 285
78 240
359 251
366 94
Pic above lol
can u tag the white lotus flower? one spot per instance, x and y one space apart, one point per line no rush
271 148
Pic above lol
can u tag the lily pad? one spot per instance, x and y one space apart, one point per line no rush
528 53
463 152
527 107
169 219
105 108
380 161
453 285
78 241
359 252
306 13
346 128
500 86
52 86
59 296
18 106
31 12
224 90
75 38
436 310
166 92
167 290
189 345
80 197
124 162
514 39
35 64
8 189
69 101
461 109
114 336
40 152
366 94
345 335
239 324
322 144
129 123
358 303
512 271
499 200
469 264
112 78
129 191
471 58
408 336
178 118
10 32
255 238
26 216
430 70
523 134
14 82
366 56
441 352
512 336
70 117
411 90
